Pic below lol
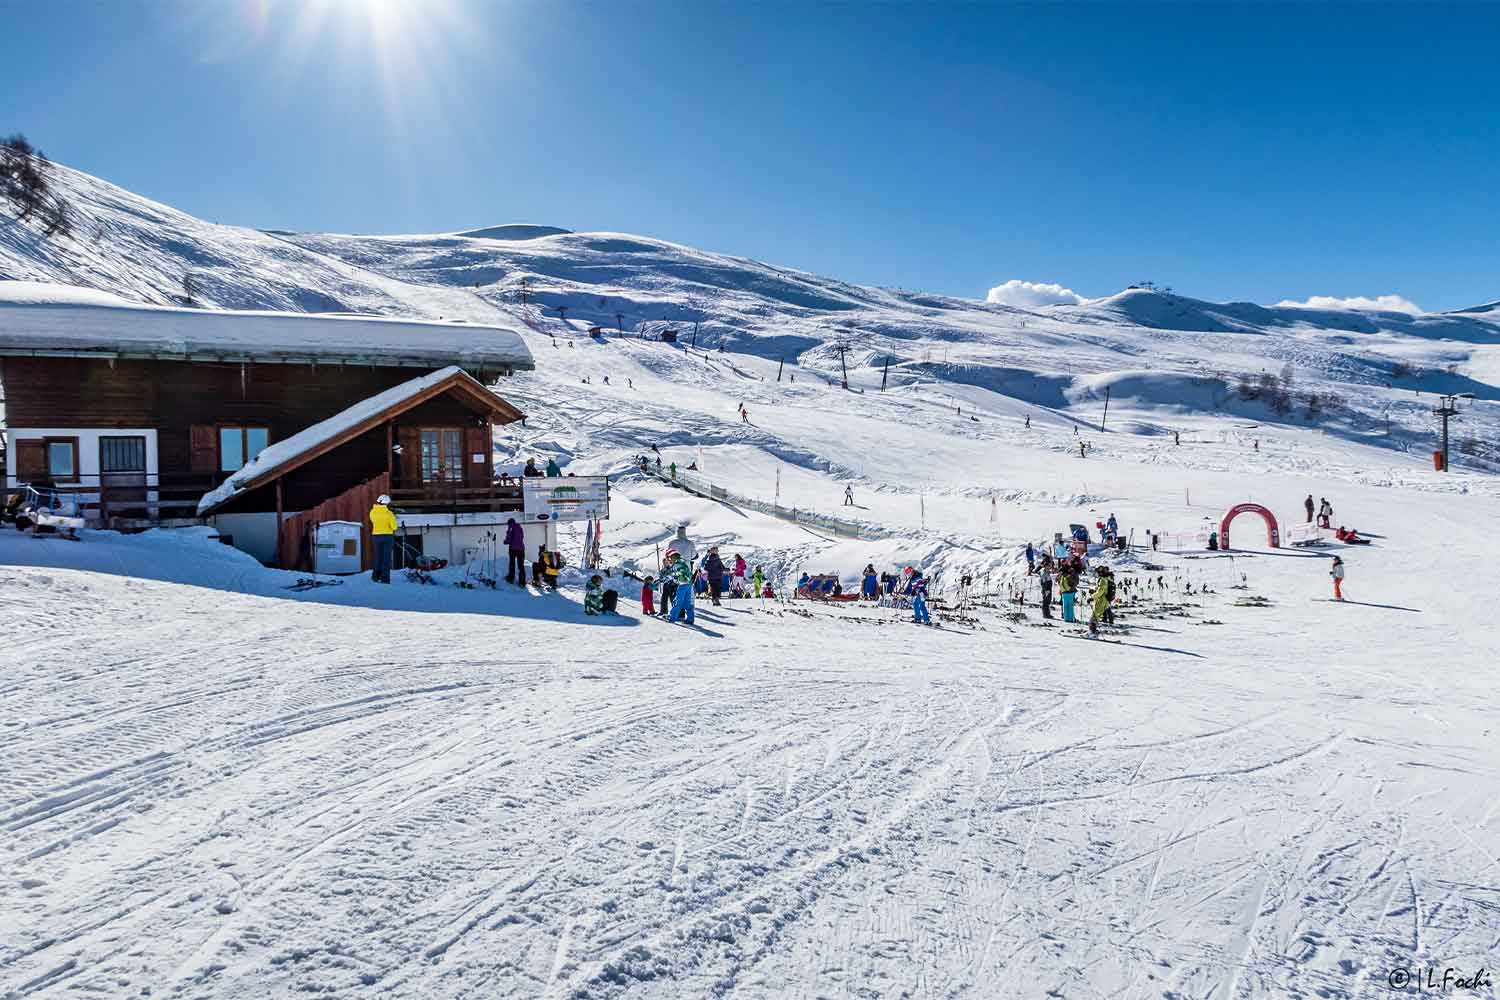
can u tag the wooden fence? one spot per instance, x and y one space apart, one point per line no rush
294 547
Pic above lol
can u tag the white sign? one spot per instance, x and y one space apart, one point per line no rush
565 498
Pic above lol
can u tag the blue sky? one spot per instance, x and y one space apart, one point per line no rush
1248 152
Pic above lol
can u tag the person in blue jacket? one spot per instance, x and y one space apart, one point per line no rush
871 583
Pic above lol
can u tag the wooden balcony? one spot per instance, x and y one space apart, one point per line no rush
455 498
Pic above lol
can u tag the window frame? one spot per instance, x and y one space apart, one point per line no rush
244 432
145 455
72 442
455 469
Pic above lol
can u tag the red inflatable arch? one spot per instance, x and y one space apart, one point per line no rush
1273 533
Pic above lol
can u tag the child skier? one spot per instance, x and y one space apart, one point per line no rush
1100 606
758 580
919 615
593 596
680 574
1067 586
1337 572
648 599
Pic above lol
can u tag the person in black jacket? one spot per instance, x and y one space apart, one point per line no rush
713 568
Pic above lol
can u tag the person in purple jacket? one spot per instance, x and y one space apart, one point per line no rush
515 544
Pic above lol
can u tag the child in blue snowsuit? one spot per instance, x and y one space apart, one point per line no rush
919 602
678 572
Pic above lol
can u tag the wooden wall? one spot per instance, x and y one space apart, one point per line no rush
172 396
294 545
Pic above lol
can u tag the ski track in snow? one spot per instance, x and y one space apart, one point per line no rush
232 805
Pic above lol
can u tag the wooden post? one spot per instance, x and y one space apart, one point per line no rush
280 514
780 365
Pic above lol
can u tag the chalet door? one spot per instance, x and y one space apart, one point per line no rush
122 474
442 455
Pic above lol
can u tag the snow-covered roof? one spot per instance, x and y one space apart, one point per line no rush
310 442
46 319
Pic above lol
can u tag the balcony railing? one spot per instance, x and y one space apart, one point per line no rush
126 497
455 498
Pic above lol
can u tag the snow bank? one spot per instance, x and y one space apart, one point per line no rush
43 293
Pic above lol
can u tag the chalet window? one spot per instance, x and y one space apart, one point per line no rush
62 459
239 446
442 455
122 454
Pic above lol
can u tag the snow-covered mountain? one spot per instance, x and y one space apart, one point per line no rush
144 250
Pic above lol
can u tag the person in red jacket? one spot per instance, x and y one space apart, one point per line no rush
648 599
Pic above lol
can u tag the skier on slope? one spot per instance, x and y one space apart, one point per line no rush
758 580
919 615
848 496
713 568
1067 586
1337 573
1325 513
1046 579
680 575
869 583
1030 559
1100 607
1308 506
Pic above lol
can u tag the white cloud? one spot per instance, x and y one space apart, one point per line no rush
1382 303
1031 294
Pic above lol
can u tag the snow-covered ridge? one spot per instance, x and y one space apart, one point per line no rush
553 282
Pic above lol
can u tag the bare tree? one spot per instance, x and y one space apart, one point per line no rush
26 185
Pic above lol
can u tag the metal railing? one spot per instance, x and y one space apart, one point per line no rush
837 526
103 498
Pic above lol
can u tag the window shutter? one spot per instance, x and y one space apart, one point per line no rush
477 442
31 459
204 449
410 439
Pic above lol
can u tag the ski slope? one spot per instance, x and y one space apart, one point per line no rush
218 787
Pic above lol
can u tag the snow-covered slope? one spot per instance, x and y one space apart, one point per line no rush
146 251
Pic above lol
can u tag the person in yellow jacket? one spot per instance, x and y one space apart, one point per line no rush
383 530
1100 609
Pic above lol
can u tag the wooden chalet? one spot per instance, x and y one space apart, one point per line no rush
259 423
